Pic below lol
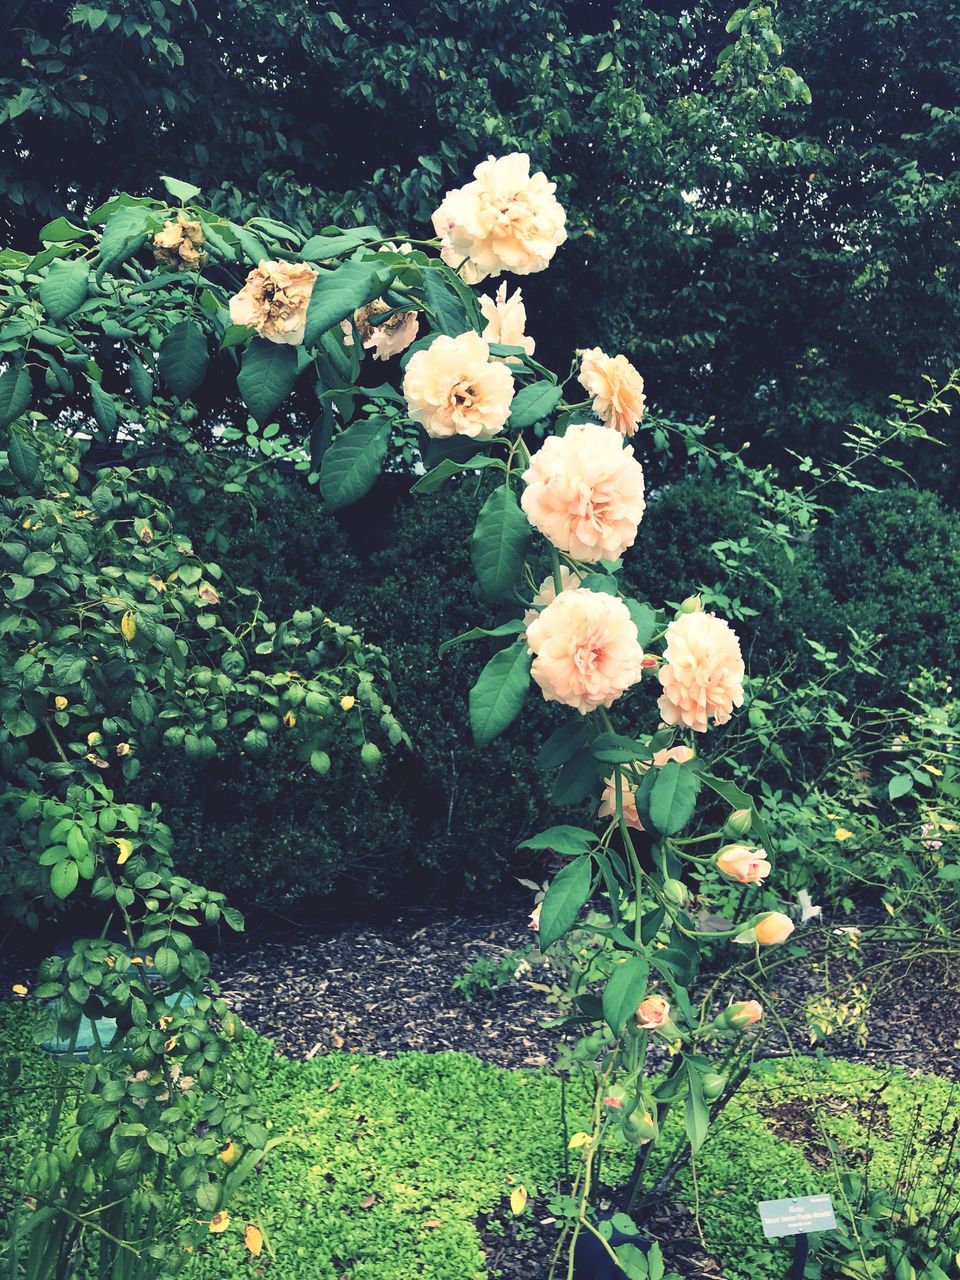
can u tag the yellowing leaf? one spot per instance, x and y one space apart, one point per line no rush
889 910
60 702
229 1153
128 625
842 833
19 989
290 719
253 1239
932 768
219 1222
348 702
579 1140
126 849
518 1200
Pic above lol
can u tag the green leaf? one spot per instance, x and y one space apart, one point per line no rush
499 544
123 235
673 797
320 248
23 460
449 313
267 377
632 1261
645 619
352 463
695 1112
899 785
563 744
60 230
513 628
499 693
167 963
19 588
182 359
605 63
63 878
337 294
141 384
533 403
625 989
104 408
434 479
16 392
736 798
39 562
182 191
614 748
64 287
562 839
568 891
19 723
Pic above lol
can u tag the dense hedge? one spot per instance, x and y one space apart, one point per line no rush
452 814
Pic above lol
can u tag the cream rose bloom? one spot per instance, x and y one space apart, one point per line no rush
584 492
453 388
617 390
274 301
653 1013
744 865
608 802
703 671
178 242
507 219
547 593
386 339
586 650
506 320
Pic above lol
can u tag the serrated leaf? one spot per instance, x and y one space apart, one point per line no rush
695 1112
533 403
182 359
562 839
321 248
16 392
625 988
123 235
673 798
167 963
141 383
64 877
448 467
563 744
352 463
499 544
483 633
899 785
449 313
23 460
499 693
337 294
566 894
615 748
64 287
267 377
104 408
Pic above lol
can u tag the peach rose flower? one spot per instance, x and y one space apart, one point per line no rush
608 803
507 219
453 388
386 339
547 593
740 863
654 1013
178 242
703 671
506 320
274 301
744 1013
584 492
770 929
616 387
586 649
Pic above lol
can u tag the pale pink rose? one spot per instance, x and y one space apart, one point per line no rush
654 1013
617 390
453 388
386 339
703 671
547 593
744 1013
608 803
586 649
178 242
772 928
740 863
506 321
535 916
507 219
584 491
274 301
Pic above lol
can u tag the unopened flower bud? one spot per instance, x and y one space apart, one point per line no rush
739 823
692 604
675 891
744 865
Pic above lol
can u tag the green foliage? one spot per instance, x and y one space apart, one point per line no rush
381 1166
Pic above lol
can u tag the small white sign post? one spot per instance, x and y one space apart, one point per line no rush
797 1216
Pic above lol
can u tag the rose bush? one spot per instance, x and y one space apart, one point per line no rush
270 308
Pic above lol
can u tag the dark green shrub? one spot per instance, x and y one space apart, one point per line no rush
891 558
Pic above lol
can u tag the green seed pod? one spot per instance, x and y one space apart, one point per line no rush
739 823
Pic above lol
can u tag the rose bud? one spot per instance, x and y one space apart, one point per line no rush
653 1013
640 1126
739 823
744 1014
675 891
768 929
743 864
692 604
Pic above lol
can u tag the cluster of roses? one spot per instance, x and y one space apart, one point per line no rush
583 490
